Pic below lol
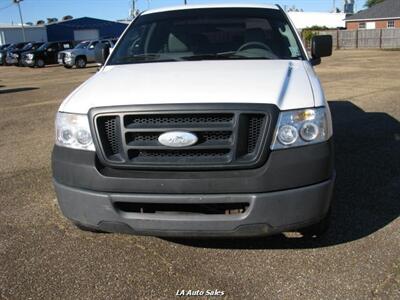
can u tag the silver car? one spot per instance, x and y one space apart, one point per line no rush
82 54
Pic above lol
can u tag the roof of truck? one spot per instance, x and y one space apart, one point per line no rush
199 6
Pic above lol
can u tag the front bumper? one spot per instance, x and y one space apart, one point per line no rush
69 61
292 190
29 62
268 213
11 60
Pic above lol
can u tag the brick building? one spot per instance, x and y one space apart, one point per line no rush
383 15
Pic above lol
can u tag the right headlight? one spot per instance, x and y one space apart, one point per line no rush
29 56
302 127
73 131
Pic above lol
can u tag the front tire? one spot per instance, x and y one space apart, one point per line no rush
80 63
40 63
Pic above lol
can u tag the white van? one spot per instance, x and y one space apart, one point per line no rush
205 120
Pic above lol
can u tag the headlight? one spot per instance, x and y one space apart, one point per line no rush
302 127
15 55
73 131
29 56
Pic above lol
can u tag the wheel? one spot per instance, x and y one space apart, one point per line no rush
88 228
80 62
40 63
317 230
67 67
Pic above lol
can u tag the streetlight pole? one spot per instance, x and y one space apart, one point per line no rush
22 21
185 2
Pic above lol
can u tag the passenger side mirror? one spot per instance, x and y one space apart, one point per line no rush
321 46
102 51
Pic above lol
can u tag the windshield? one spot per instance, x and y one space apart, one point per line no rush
82 45
43 47
27 46
208 34
19 46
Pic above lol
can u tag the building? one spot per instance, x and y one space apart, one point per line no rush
71 30
383 15
303 20
84 29
13 33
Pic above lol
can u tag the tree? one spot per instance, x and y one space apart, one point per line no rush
371 3
68 17
40 22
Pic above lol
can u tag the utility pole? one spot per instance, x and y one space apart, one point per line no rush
20 15
185 2
133 11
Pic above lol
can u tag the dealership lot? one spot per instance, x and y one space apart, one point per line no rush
43 256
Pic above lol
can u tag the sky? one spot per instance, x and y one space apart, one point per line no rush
33 10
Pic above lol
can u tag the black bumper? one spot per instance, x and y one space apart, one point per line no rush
292 190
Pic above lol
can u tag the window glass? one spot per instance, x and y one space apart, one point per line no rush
390 24
208 34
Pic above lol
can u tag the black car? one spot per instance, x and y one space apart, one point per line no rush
14 56
3 51
45 54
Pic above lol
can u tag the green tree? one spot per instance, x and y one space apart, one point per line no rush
371 3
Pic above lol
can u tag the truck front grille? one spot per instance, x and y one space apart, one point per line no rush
226 139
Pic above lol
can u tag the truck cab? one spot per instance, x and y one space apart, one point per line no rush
204 120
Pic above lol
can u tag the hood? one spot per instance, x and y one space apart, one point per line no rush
284 83
67 51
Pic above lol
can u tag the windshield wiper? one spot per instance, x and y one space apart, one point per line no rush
148 57
216 56
222 56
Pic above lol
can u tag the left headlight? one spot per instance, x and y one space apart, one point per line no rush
302 127
73 131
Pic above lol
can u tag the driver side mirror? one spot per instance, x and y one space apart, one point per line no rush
321 46
102 51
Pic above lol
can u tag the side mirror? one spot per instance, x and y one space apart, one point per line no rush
321 46
102 51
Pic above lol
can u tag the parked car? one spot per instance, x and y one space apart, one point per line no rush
204 121
82 54
46 54
3 52
14 57
15 47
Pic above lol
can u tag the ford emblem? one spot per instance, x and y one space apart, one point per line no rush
178 139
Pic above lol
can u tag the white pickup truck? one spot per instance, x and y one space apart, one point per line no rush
205 120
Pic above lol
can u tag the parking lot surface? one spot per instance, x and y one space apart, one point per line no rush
43 256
